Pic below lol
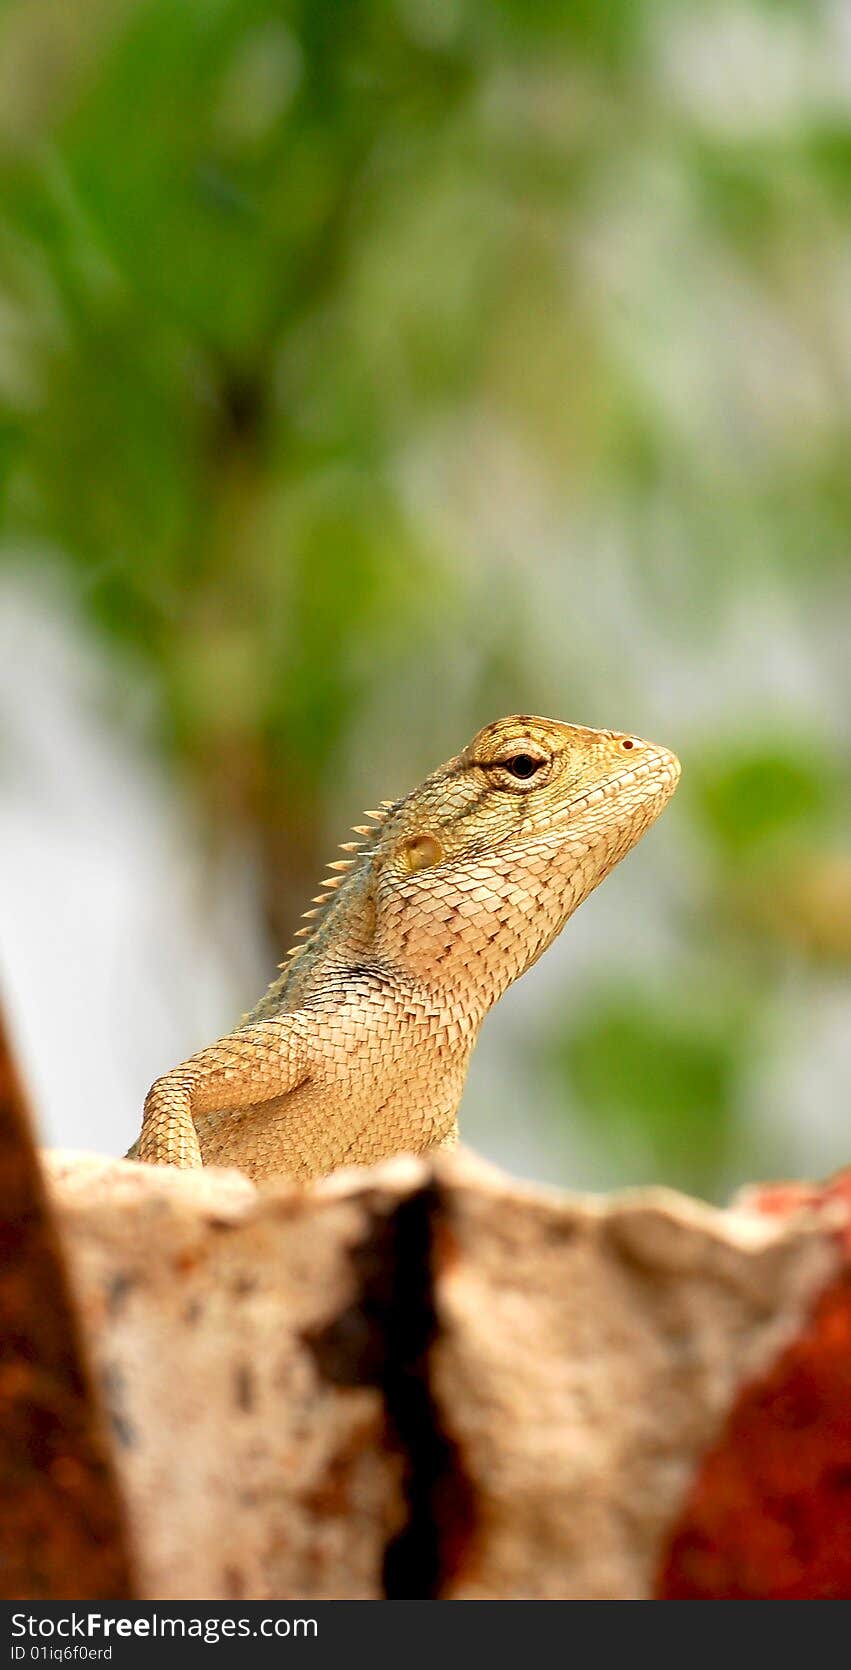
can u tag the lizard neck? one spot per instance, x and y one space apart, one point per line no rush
468 934
457 936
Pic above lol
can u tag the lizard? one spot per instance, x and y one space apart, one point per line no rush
360 1048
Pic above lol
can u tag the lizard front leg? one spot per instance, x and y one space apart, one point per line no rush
245 1068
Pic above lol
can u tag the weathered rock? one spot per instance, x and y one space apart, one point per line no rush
588 1352
62 1524
768 1512
421 1379
249 1469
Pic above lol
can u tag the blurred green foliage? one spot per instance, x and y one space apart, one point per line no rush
749 799
371 367
641 1059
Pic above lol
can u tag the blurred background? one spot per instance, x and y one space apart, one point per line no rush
372 369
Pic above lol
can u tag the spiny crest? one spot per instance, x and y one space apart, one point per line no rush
339 869
322 900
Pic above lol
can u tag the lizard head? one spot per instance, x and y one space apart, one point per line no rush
480 867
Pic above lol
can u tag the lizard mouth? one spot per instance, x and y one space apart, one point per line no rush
652 778
662 767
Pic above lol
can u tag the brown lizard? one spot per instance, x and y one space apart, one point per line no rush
360 1049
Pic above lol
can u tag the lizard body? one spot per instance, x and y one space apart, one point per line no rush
360 1049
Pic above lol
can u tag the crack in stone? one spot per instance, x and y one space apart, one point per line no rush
385 1338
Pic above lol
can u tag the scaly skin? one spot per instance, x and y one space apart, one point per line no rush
361 1048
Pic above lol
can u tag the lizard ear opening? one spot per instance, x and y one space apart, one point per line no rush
420 852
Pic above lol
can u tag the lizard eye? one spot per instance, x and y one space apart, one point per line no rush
523 765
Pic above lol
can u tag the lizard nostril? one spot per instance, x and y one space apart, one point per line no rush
627 742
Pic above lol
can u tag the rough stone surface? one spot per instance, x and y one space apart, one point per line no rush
62 1524
248 1471
768 1513
421 1378
587 1354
